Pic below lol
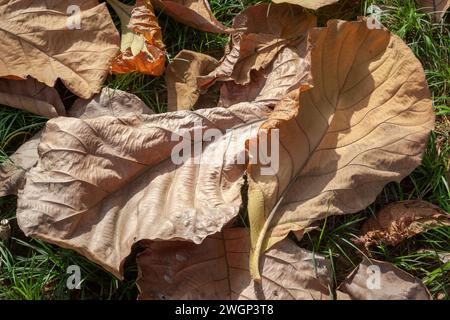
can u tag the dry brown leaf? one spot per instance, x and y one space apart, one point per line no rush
400 220
113 180
13 170
103 184
365 123
37 42
310 4
218 269
181 79
435 8
194 13
32 96
142 48
378 280
266 30
107 103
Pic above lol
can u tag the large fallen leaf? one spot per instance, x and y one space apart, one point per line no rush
435 8
365 123
218 269
37 42
378 280
32 96
194 13
103 184
401 220
142 48
181 77
266 29
310 4
107 103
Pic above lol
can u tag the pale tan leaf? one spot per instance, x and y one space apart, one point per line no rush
142 48
400 220
365 123
435 8
266 29
194 13
32 96
378 280
37 42
181 78
310 4
218 269
13 170
107 103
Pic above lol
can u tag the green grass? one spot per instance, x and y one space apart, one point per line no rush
32 269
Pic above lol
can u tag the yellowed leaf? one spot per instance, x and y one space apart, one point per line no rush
47 41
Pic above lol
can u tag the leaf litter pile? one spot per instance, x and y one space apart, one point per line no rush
349 103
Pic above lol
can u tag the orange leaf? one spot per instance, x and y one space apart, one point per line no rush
142 48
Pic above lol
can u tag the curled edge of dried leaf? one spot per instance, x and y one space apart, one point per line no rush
263 210
399 221
142 48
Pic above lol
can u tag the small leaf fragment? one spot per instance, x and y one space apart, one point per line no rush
378 280
400 220
181 77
